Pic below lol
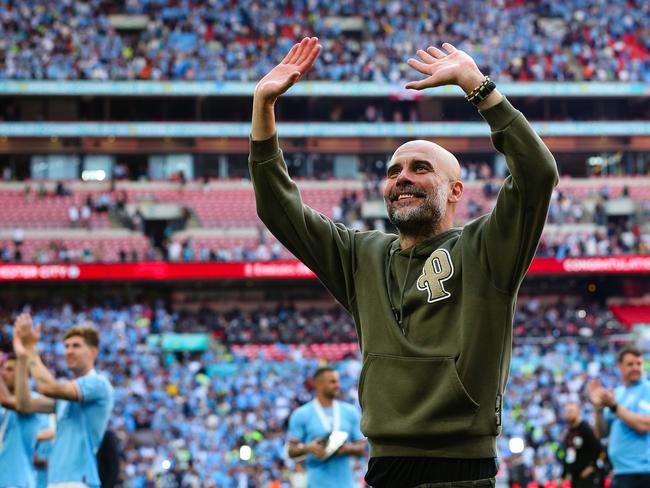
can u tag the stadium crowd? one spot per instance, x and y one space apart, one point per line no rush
183 416
366 40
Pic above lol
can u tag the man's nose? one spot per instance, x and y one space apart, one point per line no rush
403 176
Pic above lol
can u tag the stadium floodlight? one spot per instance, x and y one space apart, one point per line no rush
245 453
516 445
93 175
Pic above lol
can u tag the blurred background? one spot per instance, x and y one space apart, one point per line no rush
125 203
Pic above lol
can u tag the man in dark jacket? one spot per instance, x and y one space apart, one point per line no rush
583 453
433 306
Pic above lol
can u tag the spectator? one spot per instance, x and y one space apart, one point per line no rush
19 237
582 451
73 216
86 214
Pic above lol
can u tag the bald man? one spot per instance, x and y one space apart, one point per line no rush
433 305
583 453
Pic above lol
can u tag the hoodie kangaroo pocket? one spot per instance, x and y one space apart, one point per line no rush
405 397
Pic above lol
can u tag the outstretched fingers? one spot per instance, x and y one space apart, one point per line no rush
287 59
425 56
416 85
303 54
296 50
420 66
449 47
301 49
309 55
435 52
310 58
294 53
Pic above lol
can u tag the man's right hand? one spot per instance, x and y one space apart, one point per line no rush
25 336
316 448
596 393
295 64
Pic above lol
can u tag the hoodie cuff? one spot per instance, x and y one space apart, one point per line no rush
264 150
500 116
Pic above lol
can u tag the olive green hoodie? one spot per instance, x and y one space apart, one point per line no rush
434 321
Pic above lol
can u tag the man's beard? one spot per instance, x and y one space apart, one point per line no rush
423 219
331 395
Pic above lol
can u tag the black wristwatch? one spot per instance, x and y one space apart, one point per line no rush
481 92
613 408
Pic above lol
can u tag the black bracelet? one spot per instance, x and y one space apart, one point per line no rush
613 408
481 92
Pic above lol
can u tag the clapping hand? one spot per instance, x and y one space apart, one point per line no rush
25 335
599 395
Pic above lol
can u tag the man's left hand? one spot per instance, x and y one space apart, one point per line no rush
609 400
343 450
455 68
588 471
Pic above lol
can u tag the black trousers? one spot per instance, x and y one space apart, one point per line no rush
631 481
588 482
419 472
485 483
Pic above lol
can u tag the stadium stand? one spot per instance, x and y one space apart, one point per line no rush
202 367
168 40
225 226
202 406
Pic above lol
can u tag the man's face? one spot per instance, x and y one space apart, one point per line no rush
329 384
416 189
79 356
571 413
8 372
631 368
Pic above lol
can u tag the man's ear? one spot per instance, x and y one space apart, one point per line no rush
456 191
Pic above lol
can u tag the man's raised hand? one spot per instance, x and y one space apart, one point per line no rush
295 64
455 68
596 393
25 335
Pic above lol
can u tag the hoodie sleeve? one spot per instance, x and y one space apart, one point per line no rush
325 247
507 237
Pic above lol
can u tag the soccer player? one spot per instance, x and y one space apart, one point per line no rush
44 441
433 305
311 426
627 420
82 405
18 433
